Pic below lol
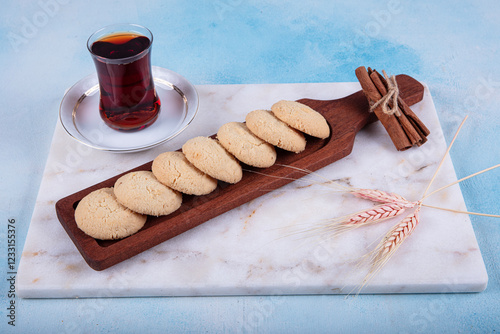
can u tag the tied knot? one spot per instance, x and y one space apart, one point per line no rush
389 102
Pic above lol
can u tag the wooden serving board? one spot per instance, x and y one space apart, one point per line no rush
346 116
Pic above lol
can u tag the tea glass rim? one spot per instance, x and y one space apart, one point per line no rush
116 28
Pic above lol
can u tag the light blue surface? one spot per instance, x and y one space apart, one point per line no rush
452 46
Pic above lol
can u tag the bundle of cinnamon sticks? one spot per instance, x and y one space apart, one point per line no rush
401 123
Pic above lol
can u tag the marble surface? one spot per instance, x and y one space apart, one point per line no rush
254 249
451 46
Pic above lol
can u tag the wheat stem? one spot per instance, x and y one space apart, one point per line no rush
462 179
444 156
465 212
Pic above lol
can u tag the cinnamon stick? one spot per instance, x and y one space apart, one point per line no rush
401 123
417 124
413 118
390 123
414 136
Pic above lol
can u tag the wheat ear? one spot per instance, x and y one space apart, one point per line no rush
382 197
340 225
390 244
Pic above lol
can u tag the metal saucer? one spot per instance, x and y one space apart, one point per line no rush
79 114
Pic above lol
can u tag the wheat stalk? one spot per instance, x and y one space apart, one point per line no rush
392 205
401 231
395 237
389 244
382 197
337 226
311 178
377 213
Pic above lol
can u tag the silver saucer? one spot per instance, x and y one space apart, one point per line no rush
79 114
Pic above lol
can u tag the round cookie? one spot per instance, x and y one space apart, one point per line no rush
143 193
245 146
267 127
210 157
301 117
100 216
176 172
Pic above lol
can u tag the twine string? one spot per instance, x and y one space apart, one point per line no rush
391 96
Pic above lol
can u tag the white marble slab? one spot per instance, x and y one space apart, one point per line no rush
252 250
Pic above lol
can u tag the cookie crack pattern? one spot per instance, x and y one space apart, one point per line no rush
177 172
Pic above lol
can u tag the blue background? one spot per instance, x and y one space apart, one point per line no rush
452 46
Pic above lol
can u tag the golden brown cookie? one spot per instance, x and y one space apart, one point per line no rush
266 126
176 172
245 146
101 216
301 117
210 157
143 193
